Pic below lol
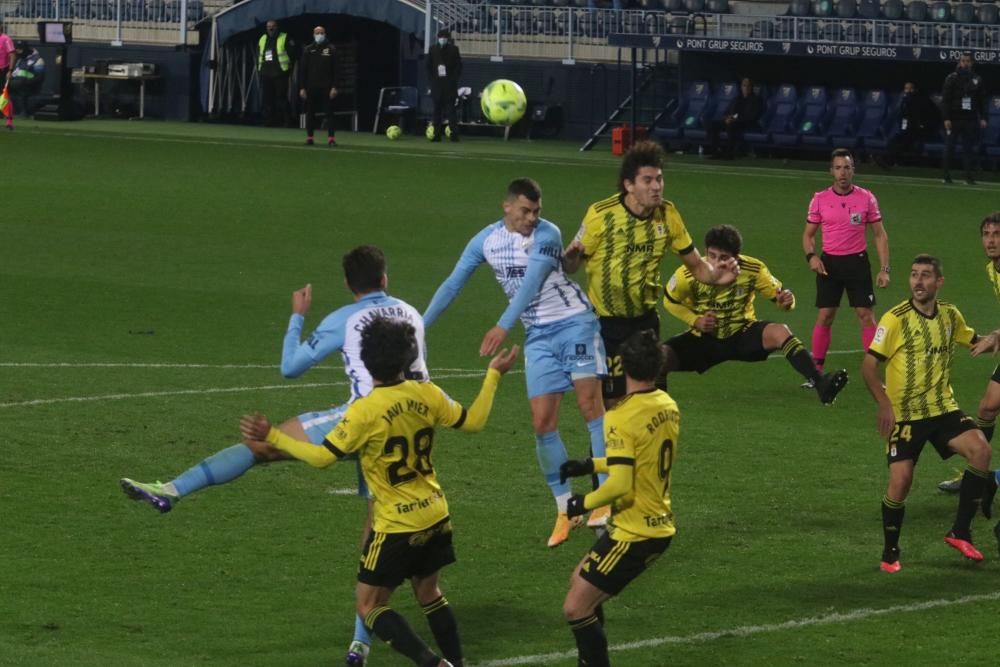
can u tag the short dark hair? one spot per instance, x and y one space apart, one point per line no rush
444 32
992 219
363 268
388 348
924 258
525 186
642 154
724 237
642 356
841 152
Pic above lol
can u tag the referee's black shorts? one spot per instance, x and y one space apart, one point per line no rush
845 273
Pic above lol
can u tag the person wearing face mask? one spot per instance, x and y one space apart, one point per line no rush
917 113
274 65
444 66
963 110
316 87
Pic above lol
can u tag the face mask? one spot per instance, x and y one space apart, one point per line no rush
442 41
319 37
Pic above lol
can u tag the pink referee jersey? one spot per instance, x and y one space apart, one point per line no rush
843 219
6 51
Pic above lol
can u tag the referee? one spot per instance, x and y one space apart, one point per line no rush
844 212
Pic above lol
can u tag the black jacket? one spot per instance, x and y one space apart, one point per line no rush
316 66
960 85
746 109
919 112
448 56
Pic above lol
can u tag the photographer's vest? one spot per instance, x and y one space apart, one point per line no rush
283 60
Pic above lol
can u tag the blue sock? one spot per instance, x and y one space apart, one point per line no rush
551 454
361 633
218 468
596 428
996 474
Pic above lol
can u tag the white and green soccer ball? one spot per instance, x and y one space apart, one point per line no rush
394 132
503 102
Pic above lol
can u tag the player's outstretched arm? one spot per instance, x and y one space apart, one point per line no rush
989 343
479 412
720 273
466 265
619 483
259 429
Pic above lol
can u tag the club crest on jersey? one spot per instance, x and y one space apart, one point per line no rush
660 229
855 218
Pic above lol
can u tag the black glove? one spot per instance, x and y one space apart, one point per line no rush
575 468
575 505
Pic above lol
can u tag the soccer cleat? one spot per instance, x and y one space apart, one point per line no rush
357 654
599 517
808 384
331 143
890 561
991 491
309 141
965 547
953 485
560 532
830 384
155 494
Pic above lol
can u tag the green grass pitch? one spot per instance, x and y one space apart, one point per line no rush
144 291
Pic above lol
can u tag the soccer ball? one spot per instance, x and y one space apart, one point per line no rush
394 132
429 132
503 102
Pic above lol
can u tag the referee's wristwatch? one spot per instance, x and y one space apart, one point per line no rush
885 269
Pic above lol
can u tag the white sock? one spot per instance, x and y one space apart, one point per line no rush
561 502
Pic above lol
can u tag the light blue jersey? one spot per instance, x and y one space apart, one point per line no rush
528 268
340 331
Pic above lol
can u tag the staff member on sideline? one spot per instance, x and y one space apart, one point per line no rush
444 66
316 84
962 105
844 212
273 65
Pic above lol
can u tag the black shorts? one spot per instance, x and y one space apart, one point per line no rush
388 559
699 353
908 438
850 273
614 332
610 565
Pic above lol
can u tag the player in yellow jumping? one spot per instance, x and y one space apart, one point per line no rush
723 323
392 430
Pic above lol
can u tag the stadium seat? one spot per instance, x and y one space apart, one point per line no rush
965 12
724 94
399 101
991 135
846 9
988 14
869 9
823 8
940 12
694 6
717 6
809 124
674 6
916 10
694 103
779 114
871 126
842 128
893 10
800 8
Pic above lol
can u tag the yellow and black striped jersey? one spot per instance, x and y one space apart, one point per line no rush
392 430
918 351
623 254
687 298
994 274
641 431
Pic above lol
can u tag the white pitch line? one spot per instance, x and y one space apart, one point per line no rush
197 392
115 364
343 492
750 630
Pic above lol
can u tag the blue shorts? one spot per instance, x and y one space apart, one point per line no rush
318 424
557 354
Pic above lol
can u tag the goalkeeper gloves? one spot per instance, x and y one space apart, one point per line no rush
575 506
575 468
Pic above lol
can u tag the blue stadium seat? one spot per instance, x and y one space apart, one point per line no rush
871 127
965 12
940 12
809 124
694 103
991 135
675 6
800 8
723 95
694 6
916 10
988 14
823 8
844 114
893 10
846 9
780 111
869 9
717 6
